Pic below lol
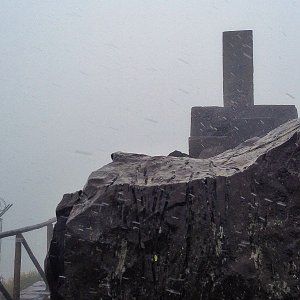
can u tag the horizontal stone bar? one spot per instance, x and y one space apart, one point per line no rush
206 121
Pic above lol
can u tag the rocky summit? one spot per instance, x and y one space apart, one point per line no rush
143 227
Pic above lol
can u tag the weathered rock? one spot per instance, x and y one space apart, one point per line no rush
181 228
177 153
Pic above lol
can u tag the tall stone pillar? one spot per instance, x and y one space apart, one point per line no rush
238 68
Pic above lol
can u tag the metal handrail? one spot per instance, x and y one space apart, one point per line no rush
26 229
18 246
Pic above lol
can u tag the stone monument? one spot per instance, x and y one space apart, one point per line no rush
215 129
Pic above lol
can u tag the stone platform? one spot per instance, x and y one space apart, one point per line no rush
216 129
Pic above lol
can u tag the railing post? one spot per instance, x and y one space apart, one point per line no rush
49 235
17 267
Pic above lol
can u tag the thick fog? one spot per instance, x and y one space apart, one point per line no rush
82 79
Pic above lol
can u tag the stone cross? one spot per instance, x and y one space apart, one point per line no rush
238 68
215 129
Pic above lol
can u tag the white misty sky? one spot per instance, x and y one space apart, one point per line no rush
82 79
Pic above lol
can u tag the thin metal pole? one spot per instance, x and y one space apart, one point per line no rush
17 267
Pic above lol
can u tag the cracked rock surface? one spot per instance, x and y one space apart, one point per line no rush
143 227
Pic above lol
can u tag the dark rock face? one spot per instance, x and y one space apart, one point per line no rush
54 264
177 153
181 228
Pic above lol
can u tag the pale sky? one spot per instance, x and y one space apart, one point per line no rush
82 79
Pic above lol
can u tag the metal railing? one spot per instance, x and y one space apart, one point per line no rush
19 240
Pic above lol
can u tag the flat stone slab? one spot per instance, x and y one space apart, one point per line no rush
211 124
37 291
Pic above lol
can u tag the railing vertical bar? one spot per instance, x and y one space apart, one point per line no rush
17 267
